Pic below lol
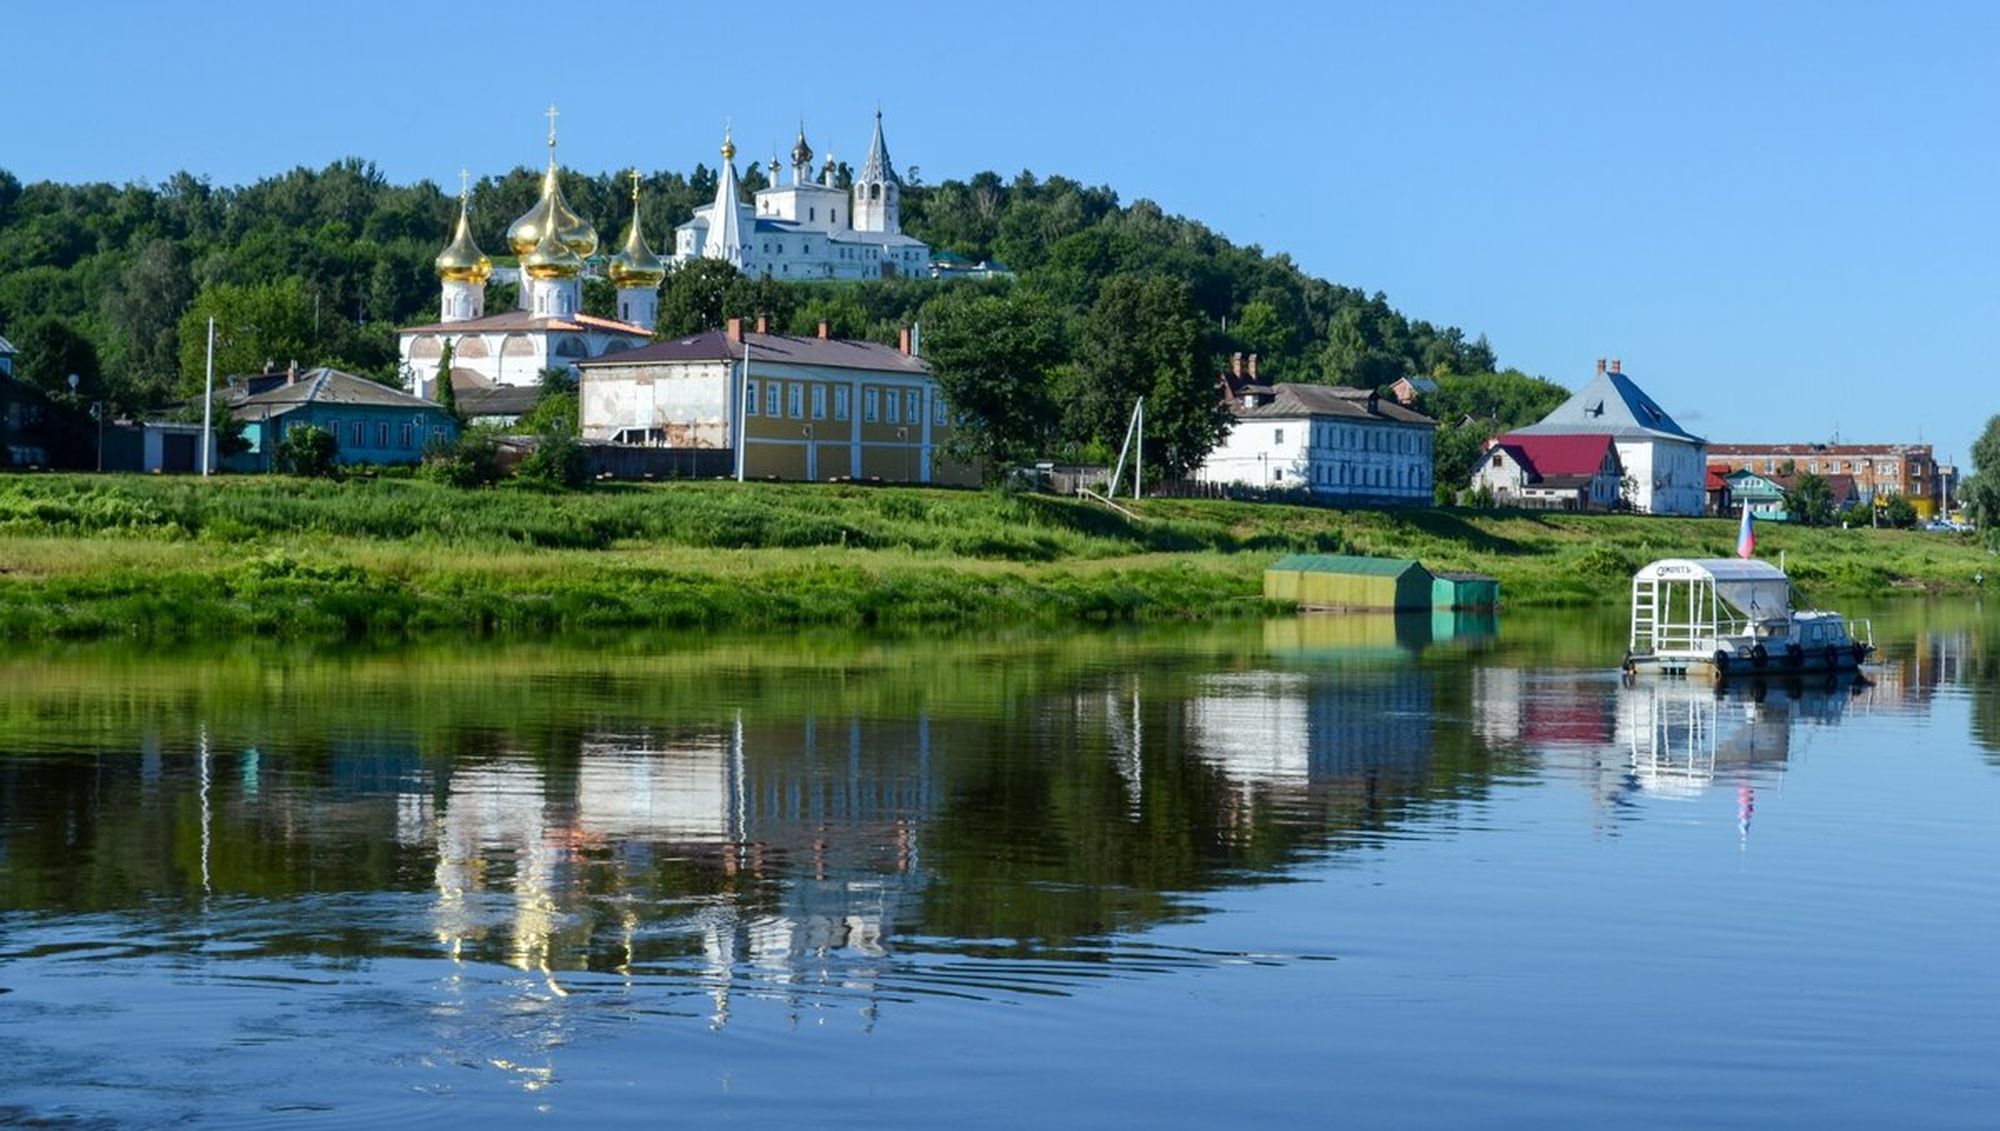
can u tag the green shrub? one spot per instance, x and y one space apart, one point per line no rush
473 460
308 450
557 462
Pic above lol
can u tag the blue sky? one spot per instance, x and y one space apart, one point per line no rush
1781 216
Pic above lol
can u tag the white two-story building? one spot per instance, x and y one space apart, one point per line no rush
1666 464
1337 444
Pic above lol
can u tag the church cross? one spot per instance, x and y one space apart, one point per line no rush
550 114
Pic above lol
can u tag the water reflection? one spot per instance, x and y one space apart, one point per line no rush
838 828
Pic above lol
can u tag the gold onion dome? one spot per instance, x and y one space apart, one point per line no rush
461 261
573 230
552 259
728 147
635 265
802 154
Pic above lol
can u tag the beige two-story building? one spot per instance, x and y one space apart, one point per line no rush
808 408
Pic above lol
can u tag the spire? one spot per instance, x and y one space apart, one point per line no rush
877 167
725 221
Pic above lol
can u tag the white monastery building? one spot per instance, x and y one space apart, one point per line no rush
1666 464
808 229
1337 444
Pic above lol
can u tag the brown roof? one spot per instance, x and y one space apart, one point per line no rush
497 400
714 345
1294 400
512 320
327 386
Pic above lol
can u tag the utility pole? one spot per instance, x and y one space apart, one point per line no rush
742 411
208 405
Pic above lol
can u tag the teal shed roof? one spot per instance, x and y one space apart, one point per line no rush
1343 563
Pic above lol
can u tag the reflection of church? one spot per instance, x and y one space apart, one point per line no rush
549 329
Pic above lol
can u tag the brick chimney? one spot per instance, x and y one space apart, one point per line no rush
1236 364
825 330
1253 367
736 330
763 324
1600 367
1615 365
903 340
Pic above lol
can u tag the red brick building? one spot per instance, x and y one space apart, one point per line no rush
1879 471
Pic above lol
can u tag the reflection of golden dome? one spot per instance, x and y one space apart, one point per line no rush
573 230
553 259
461 261
635 265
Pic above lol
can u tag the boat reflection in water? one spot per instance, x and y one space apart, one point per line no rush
1680 735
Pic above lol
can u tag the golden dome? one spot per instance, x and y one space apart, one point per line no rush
573 230
728 147
551 258
635 265
461 261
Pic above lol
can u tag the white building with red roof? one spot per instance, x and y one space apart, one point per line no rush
1573 471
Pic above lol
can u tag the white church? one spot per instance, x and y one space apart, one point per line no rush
550 329
808 229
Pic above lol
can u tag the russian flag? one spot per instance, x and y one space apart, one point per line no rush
1746 538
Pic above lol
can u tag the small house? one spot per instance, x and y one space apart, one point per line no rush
1338 581
371 423
1464 591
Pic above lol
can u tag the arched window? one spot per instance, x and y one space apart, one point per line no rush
874 192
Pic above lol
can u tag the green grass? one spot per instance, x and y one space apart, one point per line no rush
103 556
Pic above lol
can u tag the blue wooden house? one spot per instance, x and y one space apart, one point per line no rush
371 422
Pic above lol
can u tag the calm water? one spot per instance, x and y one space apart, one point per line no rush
1335 870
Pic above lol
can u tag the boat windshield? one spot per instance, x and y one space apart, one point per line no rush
1756 598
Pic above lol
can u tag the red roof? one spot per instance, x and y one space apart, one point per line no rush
1559 454
1716 480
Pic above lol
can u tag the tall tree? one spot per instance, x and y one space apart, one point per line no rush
1981 493
991 355
693 296
447 397
50 350
1144 338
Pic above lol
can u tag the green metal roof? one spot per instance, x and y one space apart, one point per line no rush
1342 563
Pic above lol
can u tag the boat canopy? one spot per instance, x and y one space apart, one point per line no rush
1757 589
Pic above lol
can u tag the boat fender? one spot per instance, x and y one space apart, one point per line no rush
1832 656
1721 660
1794 655
1759 656
1860 650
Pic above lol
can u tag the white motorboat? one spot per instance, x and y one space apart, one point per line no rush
1726 617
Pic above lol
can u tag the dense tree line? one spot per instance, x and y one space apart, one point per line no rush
1110 301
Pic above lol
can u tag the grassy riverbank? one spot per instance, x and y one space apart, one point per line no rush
95 556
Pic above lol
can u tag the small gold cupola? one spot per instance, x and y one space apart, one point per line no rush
635 265
551 258
461 261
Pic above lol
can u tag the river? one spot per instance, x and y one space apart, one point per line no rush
1349 870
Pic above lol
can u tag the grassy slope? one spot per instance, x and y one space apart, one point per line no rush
122 556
